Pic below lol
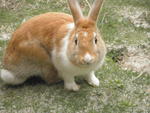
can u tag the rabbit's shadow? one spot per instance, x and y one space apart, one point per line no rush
36 81
32 81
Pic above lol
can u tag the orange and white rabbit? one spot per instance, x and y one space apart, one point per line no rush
56 46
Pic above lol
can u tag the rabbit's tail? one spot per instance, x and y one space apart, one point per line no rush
10 78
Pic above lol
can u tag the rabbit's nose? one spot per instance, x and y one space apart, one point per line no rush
88 59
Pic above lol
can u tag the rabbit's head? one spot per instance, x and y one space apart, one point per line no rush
86 46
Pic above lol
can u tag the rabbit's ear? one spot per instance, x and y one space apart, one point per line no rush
94 12
75 10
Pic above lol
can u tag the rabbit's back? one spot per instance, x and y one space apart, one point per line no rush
41 27
32 42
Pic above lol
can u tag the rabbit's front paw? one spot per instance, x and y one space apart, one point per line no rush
92 80
72 86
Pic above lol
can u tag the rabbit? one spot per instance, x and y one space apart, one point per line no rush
56 46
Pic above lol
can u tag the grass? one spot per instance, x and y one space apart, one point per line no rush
119 91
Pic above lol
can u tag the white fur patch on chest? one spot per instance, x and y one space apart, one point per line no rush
59 58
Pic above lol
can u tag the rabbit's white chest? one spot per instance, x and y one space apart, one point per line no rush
63 65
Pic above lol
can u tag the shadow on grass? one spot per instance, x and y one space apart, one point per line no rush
32 81
37 81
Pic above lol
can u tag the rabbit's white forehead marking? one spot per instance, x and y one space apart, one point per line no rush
85 34
94 34
70 26
77 35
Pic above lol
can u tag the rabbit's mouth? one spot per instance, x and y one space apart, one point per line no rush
86 60
84 64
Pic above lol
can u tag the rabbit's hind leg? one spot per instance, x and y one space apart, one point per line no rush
50 75
10 78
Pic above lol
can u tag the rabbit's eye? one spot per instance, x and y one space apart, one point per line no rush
76 41
95 40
